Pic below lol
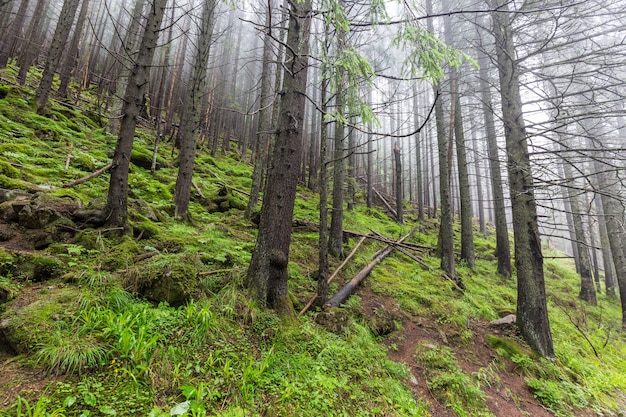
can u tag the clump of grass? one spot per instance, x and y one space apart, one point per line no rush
68 353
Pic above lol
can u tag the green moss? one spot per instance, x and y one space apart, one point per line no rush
32 324
121 255
507 346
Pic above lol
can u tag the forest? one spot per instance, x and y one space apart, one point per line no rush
299 207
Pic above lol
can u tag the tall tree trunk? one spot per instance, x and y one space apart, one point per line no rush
13 34
71 59
370 159
335 243
264 121
503 249
446 232
193 111
467 232
267 274
532 309
117 199
418 157
587 289
322 278
607 260
30 47
128 54
478 167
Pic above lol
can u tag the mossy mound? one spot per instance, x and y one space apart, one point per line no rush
25 266
33 315
165 278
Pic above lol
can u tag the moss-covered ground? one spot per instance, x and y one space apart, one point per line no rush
96 338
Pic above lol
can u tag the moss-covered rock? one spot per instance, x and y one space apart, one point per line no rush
121 255
169 278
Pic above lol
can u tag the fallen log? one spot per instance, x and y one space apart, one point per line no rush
90 176
345 292
334 274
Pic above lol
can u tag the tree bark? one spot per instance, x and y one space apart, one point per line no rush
29 47
446 233
117 198
532 309
467 224
267 274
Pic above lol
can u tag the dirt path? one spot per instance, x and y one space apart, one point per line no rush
508 397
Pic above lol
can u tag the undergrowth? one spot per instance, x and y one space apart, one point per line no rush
216 352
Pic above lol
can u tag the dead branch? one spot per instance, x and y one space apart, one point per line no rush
405 252
217 271
195 186
391 209
90 176
145 256
234 189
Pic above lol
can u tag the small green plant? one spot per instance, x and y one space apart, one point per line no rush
41 408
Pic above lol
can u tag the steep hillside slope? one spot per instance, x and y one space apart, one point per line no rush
157 323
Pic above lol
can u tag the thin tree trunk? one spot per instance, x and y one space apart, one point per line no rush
264 122
117 199
13 34
503 249
71 59
193 111
29 47
399 208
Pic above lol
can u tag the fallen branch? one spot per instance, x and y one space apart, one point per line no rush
391 209
407 253
90 176
380 238
234 189
217 271
145 256
334 274
195 186
345 292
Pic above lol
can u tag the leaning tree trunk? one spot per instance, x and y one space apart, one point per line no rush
532 309
117 199
267 274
